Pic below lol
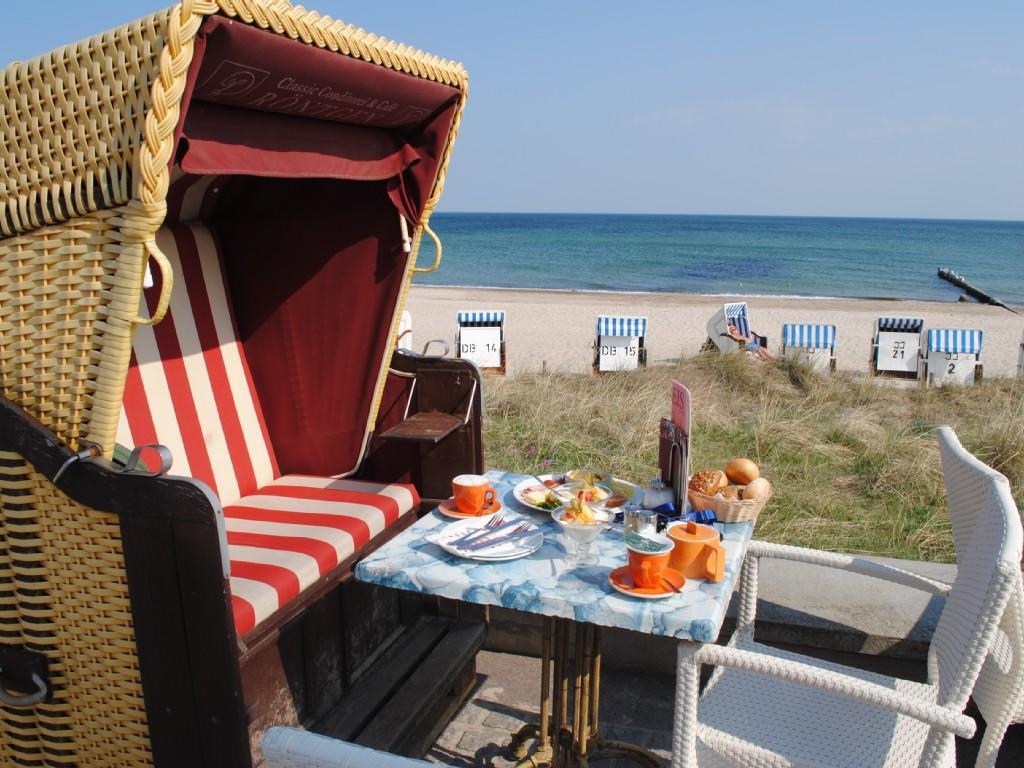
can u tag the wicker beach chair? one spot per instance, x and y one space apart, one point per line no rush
896 347
952 356
813 344
620 344
481 338
764 706
737 316
170 618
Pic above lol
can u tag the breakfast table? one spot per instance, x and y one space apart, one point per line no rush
577 601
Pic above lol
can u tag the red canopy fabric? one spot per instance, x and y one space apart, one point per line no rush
216 142
260 104
255 69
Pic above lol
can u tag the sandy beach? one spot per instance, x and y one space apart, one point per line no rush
556 328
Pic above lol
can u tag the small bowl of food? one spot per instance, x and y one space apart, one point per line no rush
587 476
581 523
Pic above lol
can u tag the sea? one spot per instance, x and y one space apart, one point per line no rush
765 255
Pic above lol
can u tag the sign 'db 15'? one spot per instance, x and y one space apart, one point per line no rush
620 343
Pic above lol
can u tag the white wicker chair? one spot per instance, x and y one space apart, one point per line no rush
769 708
999 692
295 748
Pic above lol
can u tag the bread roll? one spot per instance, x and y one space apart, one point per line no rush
742 471
758 488
708 482
731 492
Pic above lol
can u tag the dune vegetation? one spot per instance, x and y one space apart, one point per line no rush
854 461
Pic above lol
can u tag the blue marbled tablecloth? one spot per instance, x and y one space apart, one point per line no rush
546 583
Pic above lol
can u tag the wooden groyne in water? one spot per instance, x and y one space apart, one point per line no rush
961 282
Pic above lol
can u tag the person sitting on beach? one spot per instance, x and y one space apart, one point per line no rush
750 343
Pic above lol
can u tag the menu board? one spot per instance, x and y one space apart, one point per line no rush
681 419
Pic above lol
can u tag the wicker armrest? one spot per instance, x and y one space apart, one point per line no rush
851 687
756 550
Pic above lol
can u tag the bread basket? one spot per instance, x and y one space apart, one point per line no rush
728 510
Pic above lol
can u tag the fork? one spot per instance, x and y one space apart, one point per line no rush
484 543
495 522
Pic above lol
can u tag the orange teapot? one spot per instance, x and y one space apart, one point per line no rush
697 551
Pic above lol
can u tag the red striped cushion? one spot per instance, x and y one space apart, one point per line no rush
189 388
188 385
287 535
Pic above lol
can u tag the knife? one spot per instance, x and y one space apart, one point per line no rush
489 541
475 534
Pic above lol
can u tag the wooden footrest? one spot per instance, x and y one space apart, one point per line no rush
413 691
424 427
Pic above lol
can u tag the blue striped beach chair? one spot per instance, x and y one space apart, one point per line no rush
737 315
812 344
896 347
620 344
952 356
481 338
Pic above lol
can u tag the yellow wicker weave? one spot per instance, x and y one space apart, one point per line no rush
63 593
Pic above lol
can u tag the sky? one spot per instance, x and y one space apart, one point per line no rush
895 109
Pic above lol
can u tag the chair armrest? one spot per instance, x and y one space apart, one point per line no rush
863 566
845 685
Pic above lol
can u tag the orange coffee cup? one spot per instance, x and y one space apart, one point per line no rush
697 551
647 568
473 494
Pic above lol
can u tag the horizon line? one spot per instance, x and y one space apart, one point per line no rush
733 215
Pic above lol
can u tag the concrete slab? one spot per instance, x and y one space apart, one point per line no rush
806 605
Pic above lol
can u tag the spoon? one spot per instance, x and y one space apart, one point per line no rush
671 585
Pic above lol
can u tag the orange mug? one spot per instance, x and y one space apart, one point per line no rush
473 494
697 551
647 568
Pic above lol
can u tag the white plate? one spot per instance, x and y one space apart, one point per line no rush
529 482
523 485
511 550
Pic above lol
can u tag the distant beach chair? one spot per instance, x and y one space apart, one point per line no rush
952 356
1020 356
738 316
405 331
481 338
620 343
814 344
896 347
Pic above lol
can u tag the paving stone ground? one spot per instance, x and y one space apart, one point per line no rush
635 707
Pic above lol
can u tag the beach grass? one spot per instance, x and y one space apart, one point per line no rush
854 461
